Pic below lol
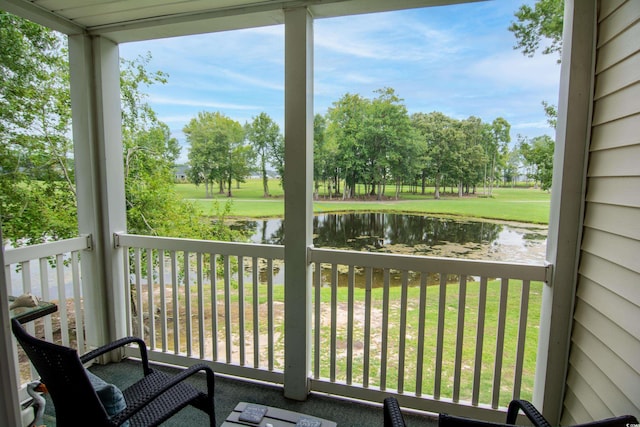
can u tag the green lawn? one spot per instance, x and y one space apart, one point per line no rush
507 204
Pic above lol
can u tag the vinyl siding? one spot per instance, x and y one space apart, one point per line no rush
604 364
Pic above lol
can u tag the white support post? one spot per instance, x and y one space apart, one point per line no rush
298 206
97 134
567 205
9 402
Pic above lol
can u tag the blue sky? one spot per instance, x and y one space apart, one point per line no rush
458 60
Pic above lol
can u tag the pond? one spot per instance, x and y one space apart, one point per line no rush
415 234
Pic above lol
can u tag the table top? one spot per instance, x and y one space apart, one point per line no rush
275 417
27 314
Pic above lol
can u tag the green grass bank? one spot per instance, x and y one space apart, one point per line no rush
519 204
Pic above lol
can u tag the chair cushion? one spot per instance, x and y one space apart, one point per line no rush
111 396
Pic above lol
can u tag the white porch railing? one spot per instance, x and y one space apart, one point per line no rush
437 332
50 271
441 334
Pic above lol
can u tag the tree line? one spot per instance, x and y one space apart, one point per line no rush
359 142
38 200
371 144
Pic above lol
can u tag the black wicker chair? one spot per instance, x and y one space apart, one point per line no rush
149 402
393 417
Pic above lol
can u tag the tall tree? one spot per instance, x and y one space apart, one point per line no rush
344 129
442 136
264 135
501 137
538 154
217 152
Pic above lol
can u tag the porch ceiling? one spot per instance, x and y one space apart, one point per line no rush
126 20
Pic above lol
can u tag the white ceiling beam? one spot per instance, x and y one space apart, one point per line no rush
41 16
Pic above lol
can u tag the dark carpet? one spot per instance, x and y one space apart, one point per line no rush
230 391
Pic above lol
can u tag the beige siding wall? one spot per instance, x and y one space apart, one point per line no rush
604 372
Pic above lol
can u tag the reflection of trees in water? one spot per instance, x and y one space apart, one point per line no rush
373 231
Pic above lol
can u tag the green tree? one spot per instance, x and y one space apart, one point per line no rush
344 129
264 135
384 132
540 25
37 187
538 154
501 137
441 136
37 182
217 152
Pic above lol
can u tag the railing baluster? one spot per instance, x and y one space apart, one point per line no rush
351 287
502 316
442 307
241 315
334 319
477 368
227 306
150 303
77 301
187 303
270 322
256 313
403 329
385 329
138 283
462 300
367 326
62 300
44 286
163 300
201 340
522 335
175 302
213 263
316 331
421 333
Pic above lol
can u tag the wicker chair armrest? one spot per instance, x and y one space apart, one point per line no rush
392 413
151 394
515 406
117 344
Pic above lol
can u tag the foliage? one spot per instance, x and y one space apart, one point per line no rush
217 152
370 138
264 135
538 154
542 23
37 182
37 188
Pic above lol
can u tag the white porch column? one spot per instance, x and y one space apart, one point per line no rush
9 402
567 204
298 206
97 134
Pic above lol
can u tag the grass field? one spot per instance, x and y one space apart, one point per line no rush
506 204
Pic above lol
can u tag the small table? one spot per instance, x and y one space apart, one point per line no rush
274 416
27 314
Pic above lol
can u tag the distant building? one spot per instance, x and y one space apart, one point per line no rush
181 173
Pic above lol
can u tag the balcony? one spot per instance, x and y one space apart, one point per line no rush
440 334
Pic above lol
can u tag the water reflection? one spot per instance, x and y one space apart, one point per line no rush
415 234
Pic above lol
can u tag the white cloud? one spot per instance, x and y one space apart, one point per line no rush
160 100
513 69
